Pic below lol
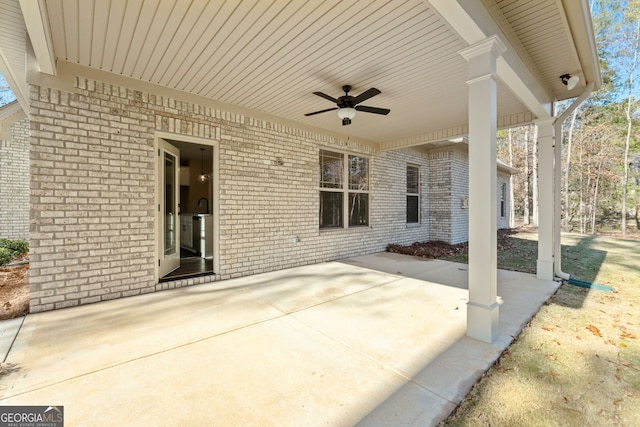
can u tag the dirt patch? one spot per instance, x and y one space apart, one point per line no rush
14 289
439 249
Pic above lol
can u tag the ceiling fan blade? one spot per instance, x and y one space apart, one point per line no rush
321 111
325 96
366 95
375 110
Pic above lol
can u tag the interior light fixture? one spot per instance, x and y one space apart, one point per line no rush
346 114
202 177
569 80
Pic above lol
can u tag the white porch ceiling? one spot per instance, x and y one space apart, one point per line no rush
270 56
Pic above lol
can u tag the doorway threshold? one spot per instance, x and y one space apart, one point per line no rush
190 267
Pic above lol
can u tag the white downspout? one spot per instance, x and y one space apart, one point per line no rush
557 244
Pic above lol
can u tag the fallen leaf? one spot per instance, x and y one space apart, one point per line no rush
552 356
565 399
578 337
617 402
556 341
627 335
622 344
548 328
623 363
594 330
612 342
553 374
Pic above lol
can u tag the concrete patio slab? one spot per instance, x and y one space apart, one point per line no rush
8 331
337 343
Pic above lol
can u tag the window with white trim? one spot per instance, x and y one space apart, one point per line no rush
503 199
413 194
343 194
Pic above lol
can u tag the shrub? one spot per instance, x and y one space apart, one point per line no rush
9 249
18 247
6 255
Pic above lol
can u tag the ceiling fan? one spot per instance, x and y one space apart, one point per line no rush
347 105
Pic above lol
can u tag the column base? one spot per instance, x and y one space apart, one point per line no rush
483 321
544 270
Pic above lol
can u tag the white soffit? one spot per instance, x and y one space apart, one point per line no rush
12 50
270 56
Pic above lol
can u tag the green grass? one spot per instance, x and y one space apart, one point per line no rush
577 363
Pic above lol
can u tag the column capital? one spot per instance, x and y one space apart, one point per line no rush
492 45
545 127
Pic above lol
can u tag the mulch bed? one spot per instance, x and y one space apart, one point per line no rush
439 249
14 289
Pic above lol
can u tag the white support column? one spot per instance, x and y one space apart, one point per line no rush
482 309
545 199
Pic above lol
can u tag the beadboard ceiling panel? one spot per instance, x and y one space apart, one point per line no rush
270 56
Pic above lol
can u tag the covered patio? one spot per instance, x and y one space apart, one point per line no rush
375 340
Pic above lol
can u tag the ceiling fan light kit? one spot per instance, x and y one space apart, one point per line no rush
347 105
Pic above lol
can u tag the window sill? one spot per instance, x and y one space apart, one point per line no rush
343 229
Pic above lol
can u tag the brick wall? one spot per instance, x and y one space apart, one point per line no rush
93 180
14 183
459 189
439 194
448 186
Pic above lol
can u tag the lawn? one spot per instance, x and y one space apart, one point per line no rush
577 363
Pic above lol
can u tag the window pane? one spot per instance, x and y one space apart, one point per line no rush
330 169
358 173
358 209
330 209
412 209
170 214
412 179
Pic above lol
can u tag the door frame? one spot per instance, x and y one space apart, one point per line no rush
215 197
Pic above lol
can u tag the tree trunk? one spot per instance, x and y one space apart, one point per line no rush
594 203
512 205
534 175
625 179
567 209
526 219
581 166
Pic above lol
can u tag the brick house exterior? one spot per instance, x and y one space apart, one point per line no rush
93 182
14 179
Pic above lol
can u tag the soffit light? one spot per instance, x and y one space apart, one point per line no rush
569 81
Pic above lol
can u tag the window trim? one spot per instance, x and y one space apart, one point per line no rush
345 189
408 194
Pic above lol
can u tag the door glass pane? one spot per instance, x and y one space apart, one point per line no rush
170 214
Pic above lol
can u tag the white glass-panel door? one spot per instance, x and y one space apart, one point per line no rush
169 222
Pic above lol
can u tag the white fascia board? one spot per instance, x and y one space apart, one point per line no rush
578 15
35 19
473 23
